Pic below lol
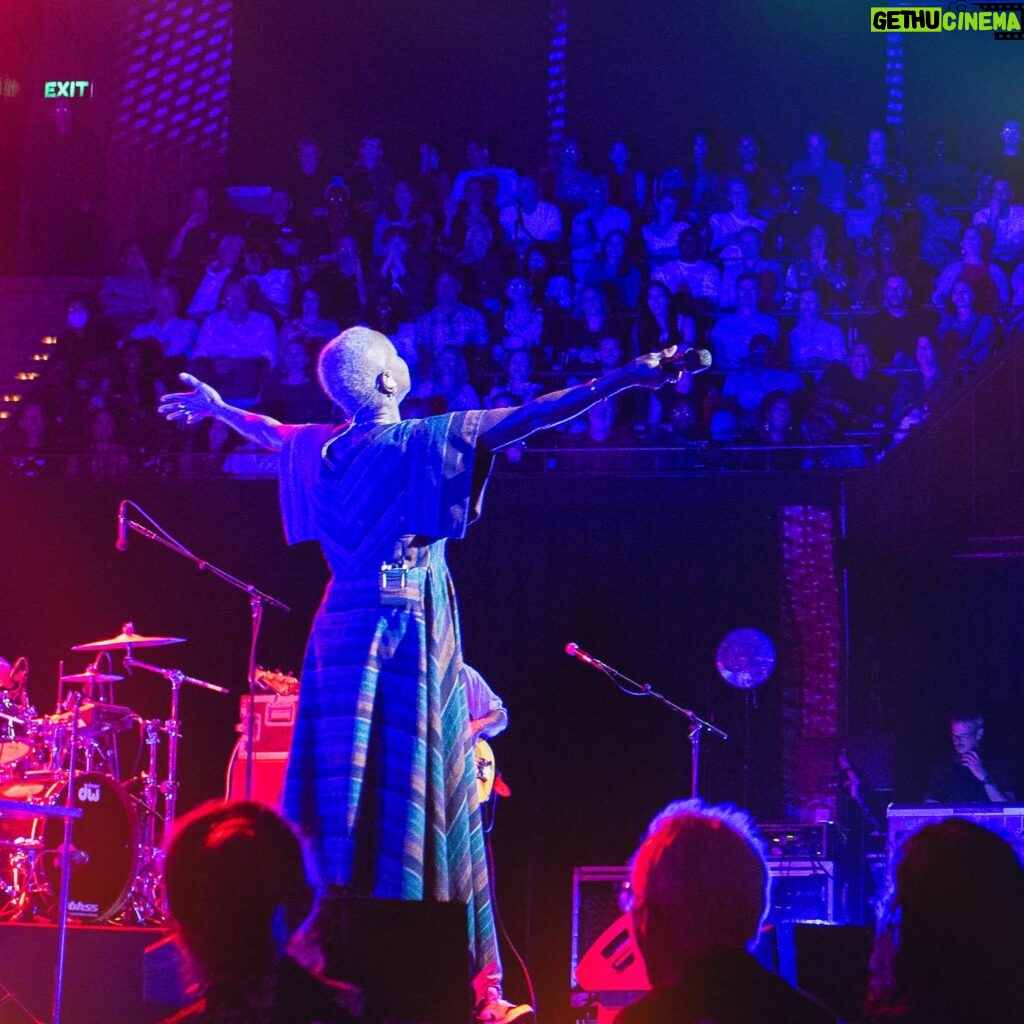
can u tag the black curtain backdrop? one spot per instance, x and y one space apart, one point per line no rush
655 72
630 569
405 70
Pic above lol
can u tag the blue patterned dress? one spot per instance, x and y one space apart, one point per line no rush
381 775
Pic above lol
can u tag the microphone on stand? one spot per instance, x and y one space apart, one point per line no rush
122 529
575 651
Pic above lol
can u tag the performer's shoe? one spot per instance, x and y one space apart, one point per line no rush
496 1010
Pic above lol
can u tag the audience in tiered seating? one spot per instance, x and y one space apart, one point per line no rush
830 266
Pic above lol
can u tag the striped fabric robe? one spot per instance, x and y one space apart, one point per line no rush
381 775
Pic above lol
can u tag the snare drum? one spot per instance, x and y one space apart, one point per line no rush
15 739
103 841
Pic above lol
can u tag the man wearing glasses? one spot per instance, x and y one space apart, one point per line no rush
970 776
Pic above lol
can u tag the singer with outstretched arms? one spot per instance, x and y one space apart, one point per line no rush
381 775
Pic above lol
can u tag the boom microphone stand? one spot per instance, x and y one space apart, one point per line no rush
635 689
257 601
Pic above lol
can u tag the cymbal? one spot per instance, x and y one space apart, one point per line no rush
123 640
91 677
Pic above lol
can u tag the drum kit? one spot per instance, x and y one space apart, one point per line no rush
115 854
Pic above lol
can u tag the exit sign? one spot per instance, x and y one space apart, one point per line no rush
70 88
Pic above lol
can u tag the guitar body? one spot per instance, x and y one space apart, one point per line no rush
483 758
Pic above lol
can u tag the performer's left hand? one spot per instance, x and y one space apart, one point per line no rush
653 369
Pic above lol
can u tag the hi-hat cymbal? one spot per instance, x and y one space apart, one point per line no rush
124 640
91 677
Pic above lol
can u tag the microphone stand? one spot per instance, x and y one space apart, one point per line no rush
697 724
257 601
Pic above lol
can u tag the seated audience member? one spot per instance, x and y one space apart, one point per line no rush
268 282
279 228
821 430
860 220
777 415
85 340
879 259
195 244
815 268
725 227
879 167
519 382
813 341
127 297
104 457
616 273
627 186
580 341
481 270
974 773
433 181
950 942
916 393
661 236
371 183
591 226
1009 165
987 279
474 210
943 175
802 211
701 175
965 333
449 383
690 272
744 391
450 323
731 334
700 887
136 387
685 419
175 335
291 394
26 444
343 285
308 188
570 182
530 219
499 182
207 448
750 261
61 400
240 343
892 333
939 232
765 185
1004 219
226 263
830 174
522 324
855 392
238 892
309 326
405 213
661 323
401 273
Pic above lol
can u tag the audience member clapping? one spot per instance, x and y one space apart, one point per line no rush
1004 219
661 235
522 323
227 263
175 335
725 227
662 323
530 219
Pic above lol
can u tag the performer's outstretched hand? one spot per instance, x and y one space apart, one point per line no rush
191 406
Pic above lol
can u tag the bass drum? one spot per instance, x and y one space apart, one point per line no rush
104 841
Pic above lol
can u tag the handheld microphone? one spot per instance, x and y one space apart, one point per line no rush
692 360
575 651
122 529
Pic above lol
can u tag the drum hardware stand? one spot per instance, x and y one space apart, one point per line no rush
635 689
257 601
152 790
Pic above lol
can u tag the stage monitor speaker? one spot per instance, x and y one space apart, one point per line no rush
410 957
832 962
